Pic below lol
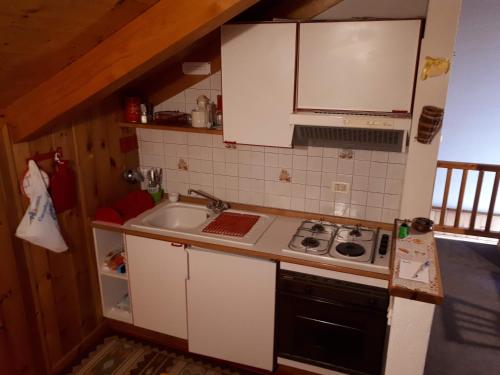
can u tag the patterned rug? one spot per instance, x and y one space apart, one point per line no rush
121 356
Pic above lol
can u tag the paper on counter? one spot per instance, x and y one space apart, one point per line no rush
407 269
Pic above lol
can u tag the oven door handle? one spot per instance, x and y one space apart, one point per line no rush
328 323
315 299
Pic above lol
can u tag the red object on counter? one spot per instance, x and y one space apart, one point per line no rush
132 205
63 187
133 109
109 215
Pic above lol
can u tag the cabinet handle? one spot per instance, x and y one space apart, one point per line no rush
176 244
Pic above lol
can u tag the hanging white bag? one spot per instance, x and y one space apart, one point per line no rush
39 224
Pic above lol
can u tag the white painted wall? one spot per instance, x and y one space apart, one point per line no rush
439 41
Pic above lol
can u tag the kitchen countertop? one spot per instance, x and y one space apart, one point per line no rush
271 244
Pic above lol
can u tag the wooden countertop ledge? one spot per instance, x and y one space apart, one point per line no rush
413 290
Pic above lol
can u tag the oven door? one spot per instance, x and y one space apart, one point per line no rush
338 336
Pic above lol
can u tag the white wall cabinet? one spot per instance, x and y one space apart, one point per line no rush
231 301
258 77
357 66
157 272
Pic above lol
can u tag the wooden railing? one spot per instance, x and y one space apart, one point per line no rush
456 224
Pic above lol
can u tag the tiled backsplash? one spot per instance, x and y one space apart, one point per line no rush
299 179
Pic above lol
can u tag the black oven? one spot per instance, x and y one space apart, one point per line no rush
331 323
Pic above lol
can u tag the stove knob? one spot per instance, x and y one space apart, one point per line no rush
384 242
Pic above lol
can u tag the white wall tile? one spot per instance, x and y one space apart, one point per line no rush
341 209
257 158
270 160
392 201
327 179
360 183
329 165
327 194
300 150
258 172
232 182
297 204
376 184
299 177
314 151
359 197
397 157
396 171
327 207
284 161
357 211
380 156
378 169
342 197
311 205
312 192
272 173
244 170
277 201
361 168
231 169
245 157
299 162
373 213
153 161
329 152
215 82
313 178
218 154
362 155
232 195
375 199
345 166
219 181
231 155
193 94
298 190
388 216
393 186
250 174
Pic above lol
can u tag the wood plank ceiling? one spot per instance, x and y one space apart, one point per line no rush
40 37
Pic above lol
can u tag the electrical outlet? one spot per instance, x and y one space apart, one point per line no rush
340 187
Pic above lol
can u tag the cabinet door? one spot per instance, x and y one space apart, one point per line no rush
231 302
258 75
357 66
157 274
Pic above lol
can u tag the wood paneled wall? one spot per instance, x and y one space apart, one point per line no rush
64 287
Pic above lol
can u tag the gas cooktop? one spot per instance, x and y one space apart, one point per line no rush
353 245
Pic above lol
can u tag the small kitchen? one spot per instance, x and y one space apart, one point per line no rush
259 199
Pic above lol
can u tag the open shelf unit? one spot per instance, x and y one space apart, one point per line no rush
172 127
114 286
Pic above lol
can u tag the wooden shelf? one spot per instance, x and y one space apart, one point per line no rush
116 275
173 127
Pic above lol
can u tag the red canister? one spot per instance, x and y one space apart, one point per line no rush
133 109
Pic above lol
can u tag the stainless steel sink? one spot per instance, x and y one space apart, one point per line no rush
188 220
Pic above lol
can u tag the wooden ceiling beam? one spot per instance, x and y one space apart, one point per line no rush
167 80
157 34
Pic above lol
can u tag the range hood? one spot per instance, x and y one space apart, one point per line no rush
355 131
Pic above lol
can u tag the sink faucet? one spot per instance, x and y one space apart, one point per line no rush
215 204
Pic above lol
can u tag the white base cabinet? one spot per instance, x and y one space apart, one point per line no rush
157 273
231 303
